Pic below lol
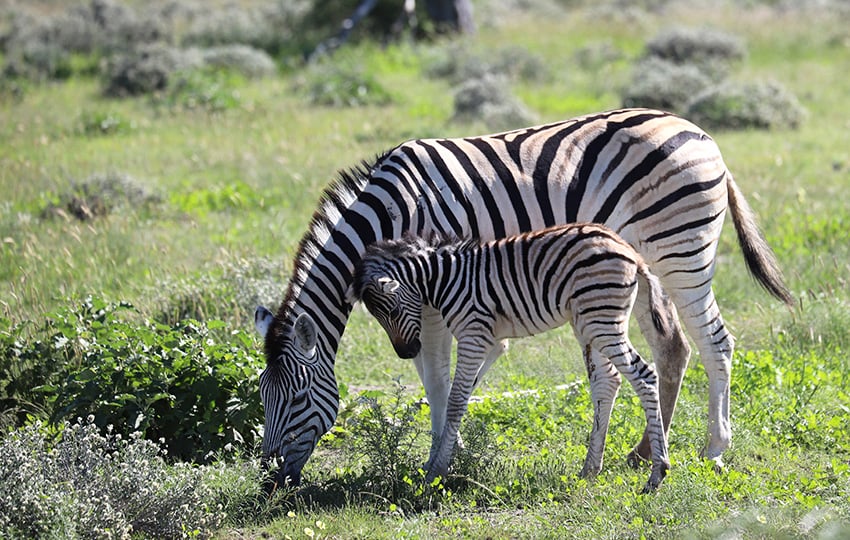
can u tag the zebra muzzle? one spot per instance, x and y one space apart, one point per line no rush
407 350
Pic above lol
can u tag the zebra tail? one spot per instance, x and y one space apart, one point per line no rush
659 310
760 259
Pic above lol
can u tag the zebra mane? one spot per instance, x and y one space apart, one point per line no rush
333 202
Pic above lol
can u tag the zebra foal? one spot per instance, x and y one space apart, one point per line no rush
520 286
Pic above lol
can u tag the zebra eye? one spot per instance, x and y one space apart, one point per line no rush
395 312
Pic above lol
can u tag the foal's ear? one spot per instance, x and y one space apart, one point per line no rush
263 320
388 285
306 335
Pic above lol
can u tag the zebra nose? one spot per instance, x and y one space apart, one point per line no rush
407 350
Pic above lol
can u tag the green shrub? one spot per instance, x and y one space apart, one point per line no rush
230 291
95 123
766 105
99 195
83 483
207 89
248 61
664 85
342 86
198 393
147 69
514 62
489 100
695 46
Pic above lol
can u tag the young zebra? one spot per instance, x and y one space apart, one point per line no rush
523 285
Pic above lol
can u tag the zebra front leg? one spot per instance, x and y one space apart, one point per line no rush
604 385
433 364
471 357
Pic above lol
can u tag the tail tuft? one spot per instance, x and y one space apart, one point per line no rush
760 259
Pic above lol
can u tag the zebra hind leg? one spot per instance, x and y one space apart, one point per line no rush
604 385
671 356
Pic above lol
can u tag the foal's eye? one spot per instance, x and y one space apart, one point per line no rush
395 312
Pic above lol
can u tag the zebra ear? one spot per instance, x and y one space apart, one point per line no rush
263 320
305 335
388 285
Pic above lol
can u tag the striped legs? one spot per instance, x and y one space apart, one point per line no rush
671 360
433 364
701 316
472 355
616 350
604 385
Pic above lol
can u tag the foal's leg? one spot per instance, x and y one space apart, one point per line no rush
645 382
604 384
433 364
471 356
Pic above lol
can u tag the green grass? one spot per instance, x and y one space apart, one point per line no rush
240 183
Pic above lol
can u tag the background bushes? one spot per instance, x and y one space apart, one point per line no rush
685 70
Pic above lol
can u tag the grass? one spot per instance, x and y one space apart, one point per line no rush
240 183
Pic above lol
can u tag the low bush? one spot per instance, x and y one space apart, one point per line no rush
664 85
684 45
490 101
96 123
147 69
230 292
100 194
336 85
765 105
515 63
197 394
248 61
82 482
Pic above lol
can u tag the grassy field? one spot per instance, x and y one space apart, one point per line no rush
210 203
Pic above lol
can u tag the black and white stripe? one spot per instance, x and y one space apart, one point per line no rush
655 179
582 274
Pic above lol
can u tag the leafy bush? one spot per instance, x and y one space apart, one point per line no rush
99 195
86 484
208 89
39 46
198 394
515 63
231 292
765 105
490 101
664 85
342 86
695 46
242 59
94 123
269 26
147 69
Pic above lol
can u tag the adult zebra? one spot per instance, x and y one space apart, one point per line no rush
654 178
520 286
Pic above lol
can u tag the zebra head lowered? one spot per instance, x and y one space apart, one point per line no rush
287 387
397 307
